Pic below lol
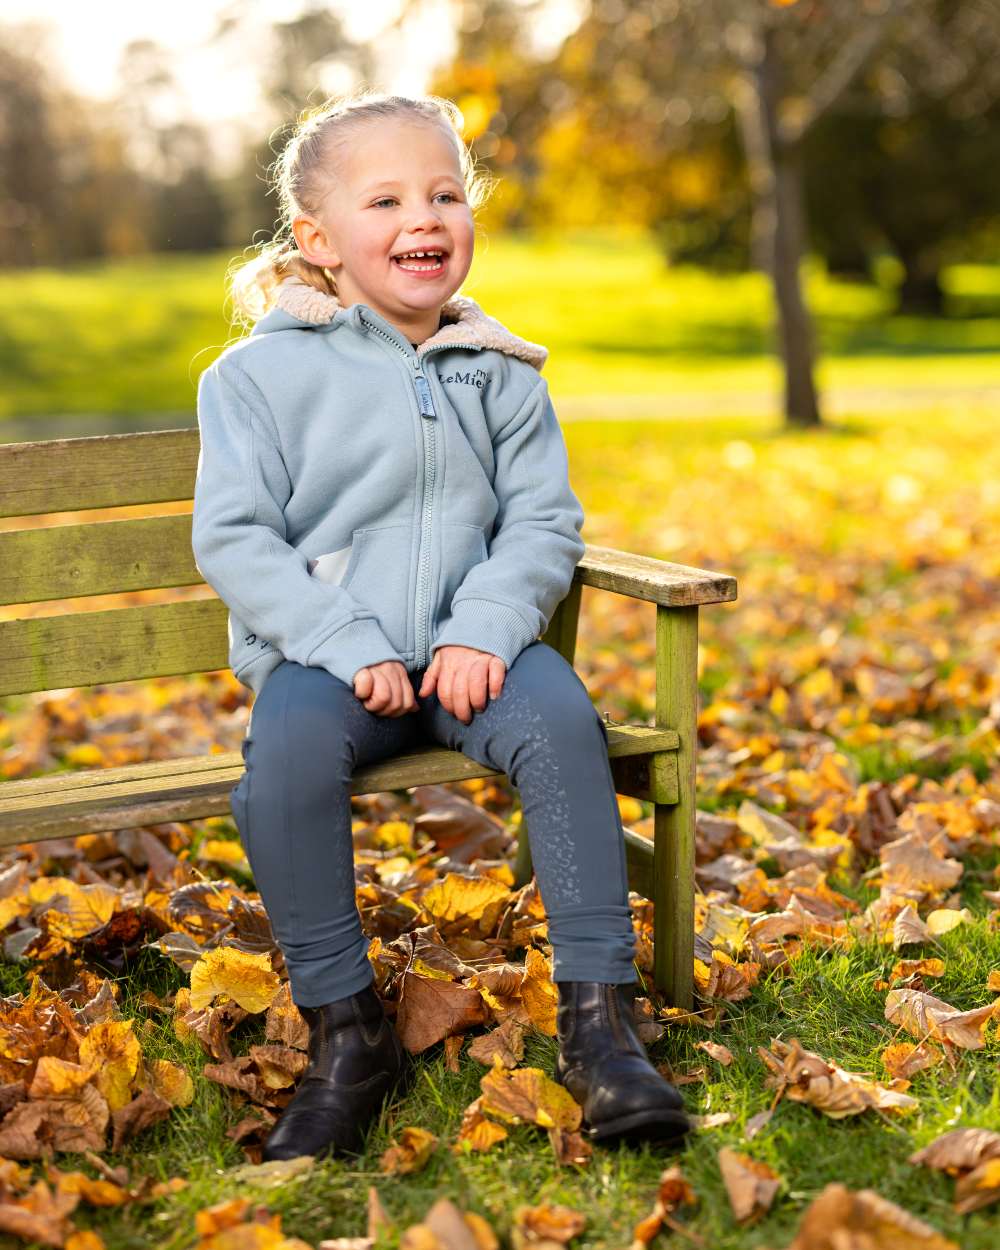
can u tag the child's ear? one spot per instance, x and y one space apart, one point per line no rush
313 242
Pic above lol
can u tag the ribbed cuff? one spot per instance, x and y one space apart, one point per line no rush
356 645
488 626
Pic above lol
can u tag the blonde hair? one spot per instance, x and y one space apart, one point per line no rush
301 177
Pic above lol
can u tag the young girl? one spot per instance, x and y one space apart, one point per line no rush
383 503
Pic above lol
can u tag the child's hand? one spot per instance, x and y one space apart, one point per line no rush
463 676
385 688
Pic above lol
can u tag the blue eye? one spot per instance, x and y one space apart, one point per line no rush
390 200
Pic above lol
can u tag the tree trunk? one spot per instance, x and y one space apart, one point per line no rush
778 224
794 325
920 292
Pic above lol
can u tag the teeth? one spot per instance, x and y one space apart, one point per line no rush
406 255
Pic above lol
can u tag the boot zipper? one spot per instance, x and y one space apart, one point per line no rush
425 406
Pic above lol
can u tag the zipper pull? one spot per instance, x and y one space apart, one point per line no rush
424 396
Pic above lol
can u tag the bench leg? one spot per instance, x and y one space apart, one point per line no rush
673 824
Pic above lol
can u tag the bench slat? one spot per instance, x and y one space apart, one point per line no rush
103 471
96 558
88 648
657 581
94 800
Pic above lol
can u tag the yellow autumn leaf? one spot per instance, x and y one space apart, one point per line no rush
222 851
58 1078
389 867
629 809
247 978
539 993
112 1052
527 1094
393 833
85 755
458 902
11 908
80 910
410 1153
943 919
172 1082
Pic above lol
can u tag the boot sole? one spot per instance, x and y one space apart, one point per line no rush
663 1126
653 1125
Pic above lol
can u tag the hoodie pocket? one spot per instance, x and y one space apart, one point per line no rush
377 575
464 548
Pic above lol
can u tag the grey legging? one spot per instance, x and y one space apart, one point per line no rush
308 731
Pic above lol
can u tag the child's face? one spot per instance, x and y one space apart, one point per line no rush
398 188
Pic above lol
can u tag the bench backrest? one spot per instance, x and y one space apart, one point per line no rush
102 556
45 564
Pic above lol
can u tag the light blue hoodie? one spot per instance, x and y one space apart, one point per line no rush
358 500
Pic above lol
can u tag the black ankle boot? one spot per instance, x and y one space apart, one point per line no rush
605 1067
356 1061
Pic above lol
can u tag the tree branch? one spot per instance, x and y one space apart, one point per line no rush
840 73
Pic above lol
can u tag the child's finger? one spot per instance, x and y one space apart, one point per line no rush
380 694
497 672
430 675
362 683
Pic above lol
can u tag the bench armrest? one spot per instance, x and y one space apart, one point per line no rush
657 581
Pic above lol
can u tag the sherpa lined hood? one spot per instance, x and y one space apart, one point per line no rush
360 500
464 322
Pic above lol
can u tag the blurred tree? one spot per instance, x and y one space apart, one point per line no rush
916 150
504 98
29 151
183 209
626 94
311 48
67 189
783 64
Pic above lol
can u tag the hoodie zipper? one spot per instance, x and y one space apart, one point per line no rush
425 405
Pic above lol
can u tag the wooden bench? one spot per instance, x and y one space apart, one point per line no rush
84 648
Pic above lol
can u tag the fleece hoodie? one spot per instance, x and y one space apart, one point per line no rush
359 500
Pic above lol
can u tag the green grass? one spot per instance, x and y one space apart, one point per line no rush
132 336
828 1002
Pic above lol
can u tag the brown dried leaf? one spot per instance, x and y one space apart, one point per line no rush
569 1146
430 1009
923 1015
750 1184
672 1192
505 1043
841 1217
410 1153
806 1077
959 1150
545 1227
978 1188
145 1109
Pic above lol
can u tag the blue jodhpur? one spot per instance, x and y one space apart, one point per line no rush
308 731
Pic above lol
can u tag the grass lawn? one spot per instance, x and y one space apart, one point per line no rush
133 336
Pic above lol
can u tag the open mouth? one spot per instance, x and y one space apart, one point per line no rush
424 260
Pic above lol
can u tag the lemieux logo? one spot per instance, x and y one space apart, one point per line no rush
477 378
